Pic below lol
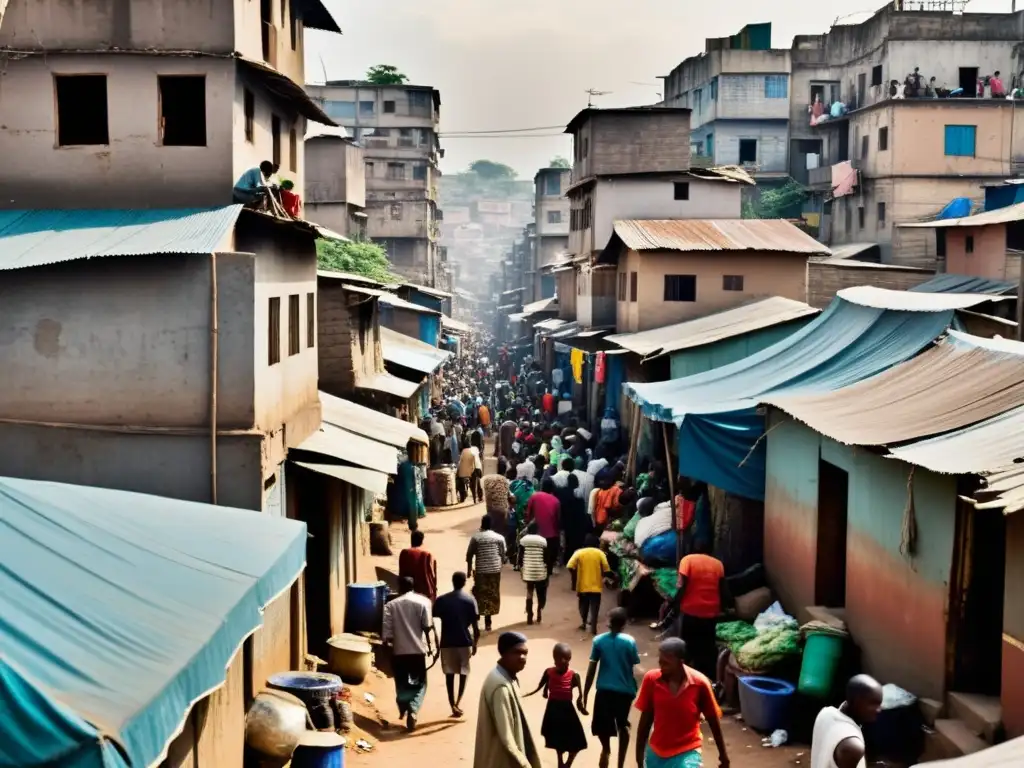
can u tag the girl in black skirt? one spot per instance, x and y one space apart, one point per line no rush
561 728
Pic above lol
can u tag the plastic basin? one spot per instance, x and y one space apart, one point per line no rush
765 702
822 654
350 656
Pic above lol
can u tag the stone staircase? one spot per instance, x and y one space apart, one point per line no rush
968 723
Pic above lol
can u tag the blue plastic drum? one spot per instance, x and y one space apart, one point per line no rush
319 750
364 607
765 702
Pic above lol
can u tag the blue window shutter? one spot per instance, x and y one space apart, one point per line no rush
961 140
776 87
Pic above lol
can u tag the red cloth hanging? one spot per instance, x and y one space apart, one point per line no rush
599 368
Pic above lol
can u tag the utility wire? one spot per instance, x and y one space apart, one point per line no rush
509 130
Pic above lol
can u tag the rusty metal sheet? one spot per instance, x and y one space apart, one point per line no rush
774 235
714 327
960 381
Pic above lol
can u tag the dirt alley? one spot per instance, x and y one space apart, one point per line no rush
448 741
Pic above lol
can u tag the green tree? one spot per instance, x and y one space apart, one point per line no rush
385 74
492 171
358 257
776 203
559 162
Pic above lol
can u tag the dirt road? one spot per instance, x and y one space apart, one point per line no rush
443 741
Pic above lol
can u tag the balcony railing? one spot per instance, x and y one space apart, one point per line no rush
819 176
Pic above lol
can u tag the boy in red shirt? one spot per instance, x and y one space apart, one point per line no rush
671 701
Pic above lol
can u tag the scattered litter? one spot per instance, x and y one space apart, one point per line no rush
799 754
368 697
777 739
740 717
364 746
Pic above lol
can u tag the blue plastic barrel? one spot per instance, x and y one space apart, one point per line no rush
765 702
364 607
319 750
314 689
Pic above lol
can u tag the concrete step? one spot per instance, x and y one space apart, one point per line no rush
982 714
931 710
957 739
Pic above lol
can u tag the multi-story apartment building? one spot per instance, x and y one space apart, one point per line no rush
737 92
336 181
888 158
631 163
397 127
551 228
157 104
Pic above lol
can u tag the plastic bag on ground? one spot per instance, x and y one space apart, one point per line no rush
773 618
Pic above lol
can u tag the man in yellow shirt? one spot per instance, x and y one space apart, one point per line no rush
588 567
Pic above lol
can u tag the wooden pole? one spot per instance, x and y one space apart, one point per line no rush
672 492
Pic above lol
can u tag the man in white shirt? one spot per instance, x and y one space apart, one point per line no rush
407 628
838 741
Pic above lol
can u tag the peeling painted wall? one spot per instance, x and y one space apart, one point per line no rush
896 610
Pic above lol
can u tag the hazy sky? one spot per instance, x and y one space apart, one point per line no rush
527 63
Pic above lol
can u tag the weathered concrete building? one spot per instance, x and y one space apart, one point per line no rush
908 157
681 270
335 181
632 164
738 94
397 127
196 94
550 228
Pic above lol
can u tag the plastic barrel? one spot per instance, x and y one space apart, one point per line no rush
765 702
319 750
822 654
314 689
364 607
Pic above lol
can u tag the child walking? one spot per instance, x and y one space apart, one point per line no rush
561 728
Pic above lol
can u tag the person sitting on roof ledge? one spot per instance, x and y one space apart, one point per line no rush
290 201
254 190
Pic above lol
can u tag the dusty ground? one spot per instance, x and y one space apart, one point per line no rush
441 740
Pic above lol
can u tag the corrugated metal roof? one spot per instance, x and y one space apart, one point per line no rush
950 283
454 325
998 216
776 235
410 353
394 301
960 381
286 89
712 328
550 324
374 482
566 331
437 293
389 385
36 238
991 448
350 447
544 305
911 301
852 250
348 277
368 422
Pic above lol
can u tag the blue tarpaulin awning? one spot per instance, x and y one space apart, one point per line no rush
120 610
716 411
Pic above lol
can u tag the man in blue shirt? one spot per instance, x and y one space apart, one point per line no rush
252 186
458 614
612 657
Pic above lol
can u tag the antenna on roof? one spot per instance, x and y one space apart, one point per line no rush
591 93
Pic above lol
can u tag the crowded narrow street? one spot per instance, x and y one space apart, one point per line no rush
442 739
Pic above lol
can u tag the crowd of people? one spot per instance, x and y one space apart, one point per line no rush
557 484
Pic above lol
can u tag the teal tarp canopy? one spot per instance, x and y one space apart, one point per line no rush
716 411
118 611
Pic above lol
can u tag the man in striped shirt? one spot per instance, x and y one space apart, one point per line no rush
533 566
487 552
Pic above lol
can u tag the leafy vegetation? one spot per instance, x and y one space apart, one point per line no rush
778 203
385 74
359 257
492 171
559 162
